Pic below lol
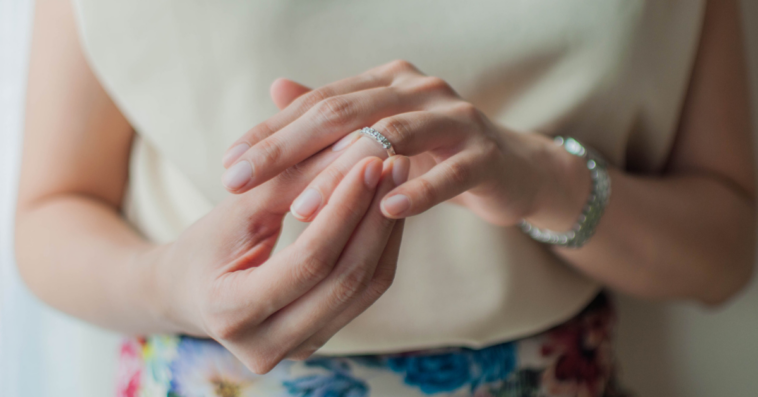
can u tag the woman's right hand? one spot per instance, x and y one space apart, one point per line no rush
218 279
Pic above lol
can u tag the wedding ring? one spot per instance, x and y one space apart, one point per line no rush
381 139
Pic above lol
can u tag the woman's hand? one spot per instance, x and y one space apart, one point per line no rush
219 279
504 176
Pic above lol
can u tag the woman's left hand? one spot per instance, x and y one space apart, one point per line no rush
457 151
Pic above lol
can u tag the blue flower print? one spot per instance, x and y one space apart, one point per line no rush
433 373
337 383
493 364
446 372
332 385
332 364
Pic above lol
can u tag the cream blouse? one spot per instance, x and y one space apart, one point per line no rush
192 76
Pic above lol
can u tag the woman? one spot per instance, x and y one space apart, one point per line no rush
478 307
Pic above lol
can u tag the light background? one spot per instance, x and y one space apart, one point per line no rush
666 350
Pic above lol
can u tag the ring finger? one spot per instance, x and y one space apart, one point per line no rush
317 128
410 133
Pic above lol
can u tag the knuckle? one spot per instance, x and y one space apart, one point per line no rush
302 354
490 148
225 328
335 111
426 190
355 212
313 267
352 282
262 364
312 98
334 174
401 65
350 213
471 114
270 150
372 79
381 282
458 173
398 130
292 174
261 131
220 318
467 110
435 85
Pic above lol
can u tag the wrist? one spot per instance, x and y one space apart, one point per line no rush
563 191
157 295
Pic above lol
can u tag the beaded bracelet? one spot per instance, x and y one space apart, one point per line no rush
592 211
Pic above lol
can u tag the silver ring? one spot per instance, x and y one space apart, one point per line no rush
377 136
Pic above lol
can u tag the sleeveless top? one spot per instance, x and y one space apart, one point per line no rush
192 76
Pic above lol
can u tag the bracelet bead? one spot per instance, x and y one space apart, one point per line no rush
593 210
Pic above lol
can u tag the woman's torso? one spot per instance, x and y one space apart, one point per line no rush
192 76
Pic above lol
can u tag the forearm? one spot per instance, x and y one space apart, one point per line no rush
78 255
678 236
689 233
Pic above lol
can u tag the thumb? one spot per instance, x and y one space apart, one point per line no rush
284 91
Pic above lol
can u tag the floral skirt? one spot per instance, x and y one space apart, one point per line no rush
572 359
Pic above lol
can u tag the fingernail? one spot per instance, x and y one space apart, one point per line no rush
372 174
400 168
234 153
396 205
306 204
344 142
237 175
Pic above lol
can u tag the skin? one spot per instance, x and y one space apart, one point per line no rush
218 278
688 233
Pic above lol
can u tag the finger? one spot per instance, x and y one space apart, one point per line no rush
410 133
444 181
298 107
320 188
277 195
258 214
384 274
415 132
397 71
284 91
354 272
297 268
318 128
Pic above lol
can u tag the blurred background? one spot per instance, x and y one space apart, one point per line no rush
665 350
